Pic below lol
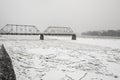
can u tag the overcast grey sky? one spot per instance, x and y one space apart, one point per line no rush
81 15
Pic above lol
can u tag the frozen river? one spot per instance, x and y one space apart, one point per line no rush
57 58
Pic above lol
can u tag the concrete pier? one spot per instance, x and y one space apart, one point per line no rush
74 37
41 37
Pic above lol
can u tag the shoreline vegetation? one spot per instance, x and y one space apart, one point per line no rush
104 33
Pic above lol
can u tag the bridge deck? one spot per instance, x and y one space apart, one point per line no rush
41 34
36 34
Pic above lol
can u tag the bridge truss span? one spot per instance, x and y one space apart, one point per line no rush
14 29
19 29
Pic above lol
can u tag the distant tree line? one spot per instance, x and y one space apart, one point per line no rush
115 33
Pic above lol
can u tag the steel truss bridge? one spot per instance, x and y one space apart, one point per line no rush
13 29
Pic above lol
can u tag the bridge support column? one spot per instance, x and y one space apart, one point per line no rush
41 37
74 37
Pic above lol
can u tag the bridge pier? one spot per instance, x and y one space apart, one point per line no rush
74 37
41 37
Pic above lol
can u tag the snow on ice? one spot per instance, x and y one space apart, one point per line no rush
64 59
